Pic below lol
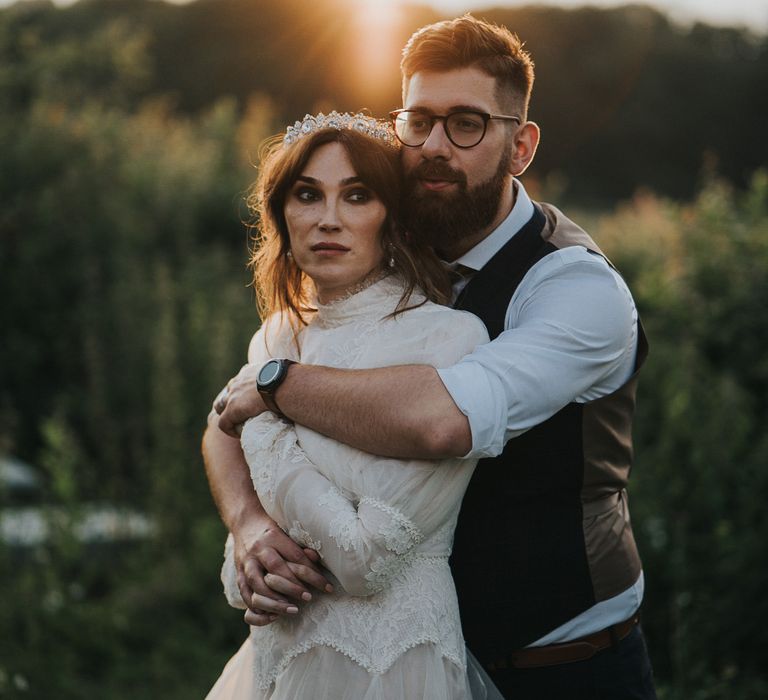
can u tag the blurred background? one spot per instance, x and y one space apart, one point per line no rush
129 133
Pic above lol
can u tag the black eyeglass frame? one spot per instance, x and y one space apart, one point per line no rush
485 116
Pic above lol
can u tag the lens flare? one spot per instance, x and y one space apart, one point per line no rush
377 49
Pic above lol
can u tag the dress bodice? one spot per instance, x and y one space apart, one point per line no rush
382 526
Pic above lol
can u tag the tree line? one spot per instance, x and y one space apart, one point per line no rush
625 97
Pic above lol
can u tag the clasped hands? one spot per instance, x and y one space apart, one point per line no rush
273 572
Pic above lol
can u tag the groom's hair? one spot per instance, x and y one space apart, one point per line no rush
468 42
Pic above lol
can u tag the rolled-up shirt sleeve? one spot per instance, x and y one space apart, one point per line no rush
571 335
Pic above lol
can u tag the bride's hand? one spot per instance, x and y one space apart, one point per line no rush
259 614
272 571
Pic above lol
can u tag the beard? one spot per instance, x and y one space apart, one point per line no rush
444 220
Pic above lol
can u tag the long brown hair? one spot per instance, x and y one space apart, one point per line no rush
280 285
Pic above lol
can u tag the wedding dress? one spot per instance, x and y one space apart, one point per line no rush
383 527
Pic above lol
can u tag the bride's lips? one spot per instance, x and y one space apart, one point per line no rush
329 248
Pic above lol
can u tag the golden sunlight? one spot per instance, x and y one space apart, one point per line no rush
378 13
377 47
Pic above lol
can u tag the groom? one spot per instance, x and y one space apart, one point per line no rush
546 568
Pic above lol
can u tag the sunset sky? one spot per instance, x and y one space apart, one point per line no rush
752 13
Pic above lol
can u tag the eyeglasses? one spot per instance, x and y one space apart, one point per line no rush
464 129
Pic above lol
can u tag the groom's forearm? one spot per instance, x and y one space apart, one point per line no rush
400 411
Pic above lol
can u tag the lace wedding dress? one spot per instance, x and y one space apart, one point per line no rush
383 527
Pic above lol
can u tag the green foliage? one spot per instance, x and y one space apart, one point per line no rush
698 275
100 206
60 457
126 142
624 96
118 623
125 308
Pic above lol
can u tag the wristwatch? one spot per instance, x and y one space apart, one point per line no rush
270 377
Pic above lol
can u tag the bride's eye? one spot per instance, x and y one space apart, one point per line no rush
360 195
306 194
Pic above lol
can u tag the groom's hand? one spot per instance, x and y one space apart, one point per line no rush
273 572
239 401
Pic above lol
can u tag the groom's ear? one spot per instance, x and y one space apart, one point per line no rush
525 142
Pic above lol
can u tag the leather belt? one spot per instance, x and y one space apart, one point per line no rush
577 650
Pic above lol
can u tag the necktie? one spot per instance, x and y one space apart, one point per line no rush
460 277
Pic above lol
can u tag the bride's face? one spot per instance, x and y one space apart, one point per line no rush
334 223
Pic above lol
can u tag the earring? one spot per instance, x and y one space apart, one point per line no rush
289 254
391 256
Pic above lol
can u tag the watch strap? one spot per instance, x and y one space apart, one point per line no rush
268 395
271 404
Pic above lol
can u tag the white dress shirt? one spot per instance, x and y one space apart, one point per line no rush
570 336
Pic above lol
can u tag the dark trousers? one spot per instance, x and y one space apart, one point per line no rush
622 672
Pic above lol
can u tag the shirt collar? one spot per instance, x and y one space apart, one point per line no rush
522 211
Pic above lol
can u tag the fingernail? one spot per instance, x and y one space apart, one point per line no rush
292 609
306 596
329 588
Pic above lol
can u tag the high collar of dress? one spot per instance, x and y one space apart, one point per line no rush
375 301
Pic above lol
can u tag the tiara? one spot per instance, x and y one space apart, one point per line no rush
369 126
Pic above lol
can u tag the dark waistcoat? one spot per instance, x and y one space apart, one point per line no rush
544 529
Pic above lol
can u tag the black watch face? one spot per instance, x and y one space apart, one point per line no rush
268 373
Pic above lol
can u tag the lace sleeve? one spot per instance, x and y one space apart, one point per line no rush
273 338
363 539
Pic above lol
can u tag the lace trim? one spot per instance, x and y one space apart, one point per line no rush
400 534
372 303
384 569
301 536
372 278
265 680
374 631
343 528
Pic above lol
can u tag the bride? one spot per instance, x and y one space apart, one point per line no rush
340 285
